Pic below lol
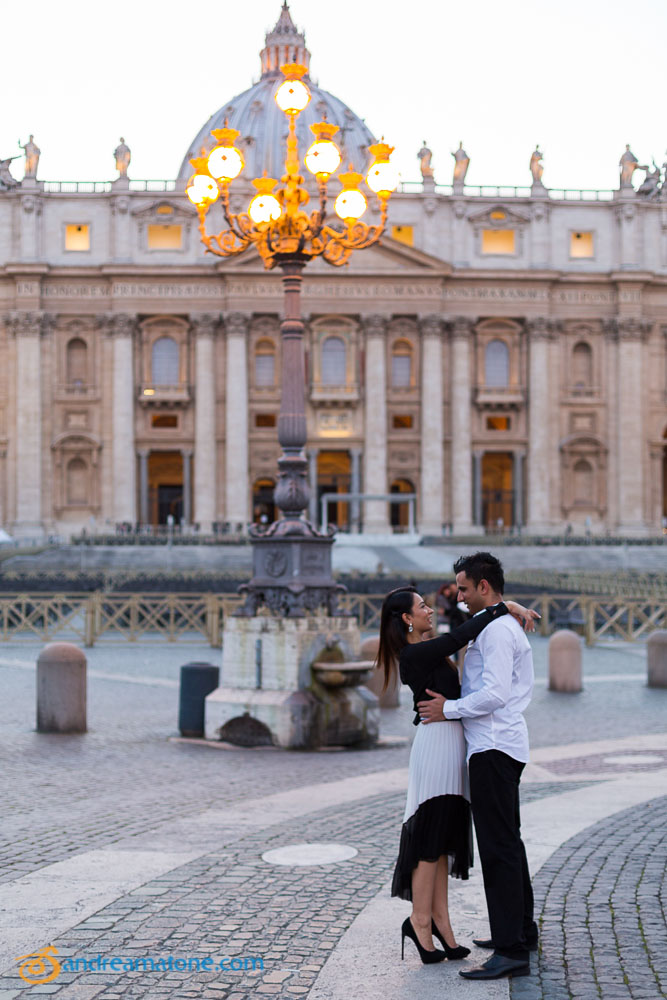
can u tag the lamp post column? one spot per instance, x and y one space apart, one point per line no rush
292 491
237 497
376 520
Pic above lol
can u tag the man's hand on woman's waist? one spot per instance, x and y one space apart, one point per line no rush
432 710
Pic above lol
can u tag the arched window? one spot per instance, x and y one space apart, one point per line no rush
77 362
401 363
497 364
582 365
583 483
334 361
164 362
265 363
77 482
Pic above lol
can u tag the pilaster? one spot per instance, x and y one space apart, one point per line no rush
204 327
376 520
432 427
541 332
237 491
122 328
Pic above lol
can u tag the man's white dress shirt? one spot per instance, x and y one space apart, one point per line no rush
495 690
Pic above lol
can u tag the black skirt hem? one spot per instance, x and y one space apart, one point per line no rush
440 826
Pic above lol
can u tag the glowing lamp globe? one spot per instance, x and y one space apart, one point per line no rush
264 208
225 163
201 189
292 95
350 205
382 178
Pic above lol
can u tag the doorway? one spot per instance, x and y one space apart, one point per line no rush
497 490
399 514
333 476
165 486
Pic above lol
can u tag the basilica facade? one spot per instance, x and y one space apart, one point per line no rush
501 354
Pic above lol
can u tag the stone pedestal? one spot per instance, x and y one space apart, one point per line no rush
61 689
267 679
565 662
656 655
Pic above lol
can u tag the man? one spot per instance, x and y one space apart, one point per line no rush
496 689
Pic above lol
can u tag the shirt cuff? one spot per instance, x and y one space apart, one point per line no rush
451 709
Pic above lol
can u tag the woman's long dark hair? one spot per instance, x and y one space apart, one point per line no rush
393 630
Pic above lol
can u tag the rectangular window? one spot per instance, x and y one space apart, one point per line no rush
164 420
581 244
77 236
404 234
401 370
497 423
498 241
165 237
402 421
265 420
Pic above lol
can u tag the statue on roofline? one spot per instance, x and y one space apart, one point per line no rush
123 156
424 155
461 164
32 154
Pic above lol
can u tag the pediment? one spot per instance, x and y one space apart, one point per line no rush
499 217
165 211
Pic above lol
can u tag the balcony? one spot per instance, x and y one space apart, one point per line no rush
76 392
334 395
508 397
165 395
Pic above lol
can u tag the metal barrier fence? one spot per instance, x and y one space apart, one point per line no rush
93 617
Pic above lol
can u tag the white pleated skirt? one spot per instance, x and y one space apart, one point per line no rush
437 764
437 817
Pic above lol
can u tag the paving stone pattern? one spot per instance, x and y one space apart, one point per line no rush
601 904
231 903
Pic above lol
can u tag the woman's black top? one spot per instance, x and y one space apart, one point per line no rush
421 664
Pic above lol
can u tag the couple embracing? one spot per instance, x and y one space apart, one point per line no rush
486 713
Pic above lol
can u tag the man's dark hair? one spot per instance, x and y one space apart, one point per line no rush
482 566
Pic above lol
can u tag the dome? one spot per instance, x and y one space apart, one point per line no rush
263 126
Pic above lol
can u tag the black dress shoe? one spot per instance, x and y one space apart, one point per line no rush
498 966
488 943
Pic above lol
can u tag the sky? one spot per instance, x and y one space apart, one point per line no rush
580 77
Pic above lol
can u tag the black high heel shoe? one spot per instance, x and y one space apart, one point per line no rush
451 953
428 957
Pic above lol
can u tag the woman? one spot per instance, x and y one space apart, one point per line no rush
437 831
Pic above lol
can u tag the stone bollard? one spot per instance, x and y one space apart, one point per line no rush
565 661
388 698
656 657
61 689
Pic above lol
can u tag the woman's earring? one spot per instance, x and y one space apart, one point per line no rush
410 629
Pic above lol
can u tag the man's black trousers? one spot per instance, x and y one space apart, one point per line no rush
494 792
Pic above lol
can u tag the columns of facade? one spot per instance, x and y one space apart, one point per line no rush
632 455
313 512
124 462
432 428
31 218
3 483
461 407
517 483
477 511
187 487
355 487
376 519
540 418
144 513
237 491
205 476
628 221
28 328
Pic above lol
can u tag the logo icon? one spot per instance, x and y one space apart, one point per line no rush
39 967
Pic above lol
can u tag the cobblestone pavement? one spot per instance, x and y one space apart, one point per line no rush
601 901
231 903
124 782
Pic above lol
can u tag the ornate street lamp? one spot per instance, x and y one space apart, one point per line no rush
292 560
